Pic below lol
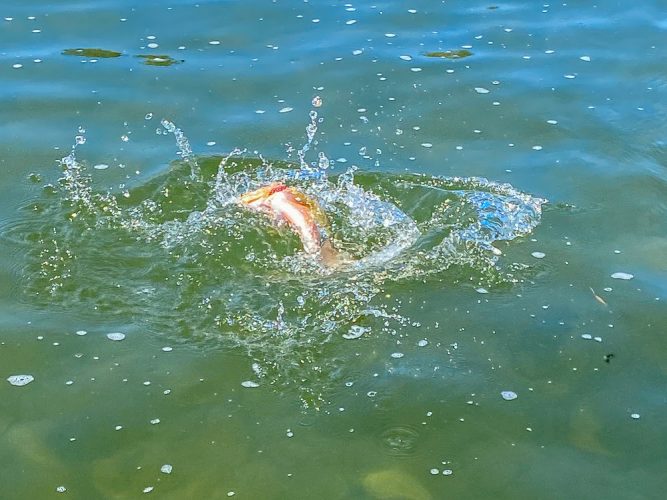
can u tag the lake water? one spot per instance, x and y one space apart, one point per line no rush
497 173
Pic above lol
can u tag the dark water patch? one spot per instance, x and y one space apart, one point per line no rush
449 54
96 53
159 60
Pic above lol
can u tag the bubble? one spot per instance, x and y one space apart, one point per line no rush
481 90
149 116
116 336
538 255
166 469
20 380
509 395
317 101
622 276
249 384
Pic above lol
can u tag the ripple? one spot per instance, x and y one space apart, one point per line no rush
400 440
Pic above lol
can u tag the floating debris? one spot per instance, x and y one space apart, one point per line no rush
397 355
481 290
20 380
622 276
481 90
450 54
116 336
81 333
587 336
635 416
167 349
159 60
422 343
509 395
166 469
447 472
61 489
96 53
249 384
538 255
435 471
148 489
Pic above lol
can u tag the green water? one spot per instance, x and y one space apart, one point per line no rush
262 393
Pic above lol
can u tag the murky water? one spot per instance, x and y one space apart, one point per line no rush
158 338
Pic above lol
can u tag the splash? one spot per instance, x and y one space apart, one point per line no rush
179 254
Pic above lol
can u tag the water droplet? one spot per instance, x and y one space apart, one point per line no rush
355 332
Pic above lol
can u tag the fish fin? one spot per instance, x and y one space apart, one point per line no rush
329 255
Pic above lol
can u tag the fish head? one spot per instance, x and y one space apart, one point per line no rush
261 195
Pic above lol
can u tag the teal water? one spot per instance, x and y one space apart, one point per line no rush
384 379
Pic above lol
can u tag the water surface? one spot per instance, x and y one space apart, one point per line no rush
246 367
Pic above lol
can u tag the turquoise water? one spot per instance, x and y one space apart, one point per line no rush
438 133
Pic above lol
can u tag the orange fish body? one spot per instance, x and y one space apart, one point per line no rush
300 212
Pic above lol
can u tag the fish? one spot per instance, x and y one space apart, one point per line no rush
301 213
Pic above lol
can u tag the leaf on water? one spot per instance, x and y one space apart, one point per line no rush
97 53
157 60
450 54
597 297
